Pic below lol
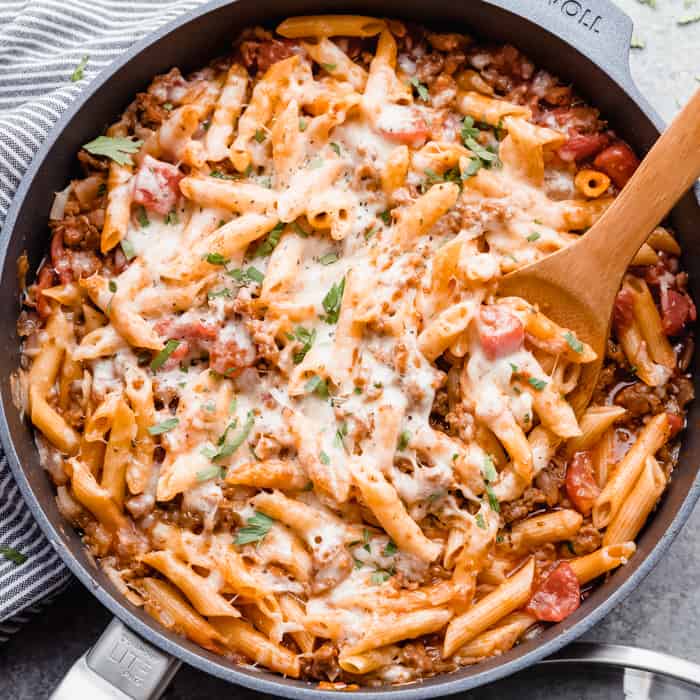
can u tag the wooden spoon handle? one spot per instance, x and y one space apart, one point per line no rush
667 172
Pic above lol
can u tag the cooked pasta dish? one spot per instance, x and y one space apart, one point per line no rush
275 385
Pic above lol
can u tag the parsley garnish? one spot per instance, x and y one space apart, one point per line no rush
259 135
480 522
252 274
298 229
468 129
226 449
385 216
142 217
488 469
324 458
164 427
335 147
688 19
493 501
537 384
332 301
168 106
112 286
380 576
306 338
366 539
421 89
330 67
315 163
328 258
340 433
302 124
255 529
212 472
117 148
404 439
317 386
471 169
534 236
225 292
215 259
573 342
487 156
164 354
79 72
270 242
221 176
171 218
390 549
15 556
128 249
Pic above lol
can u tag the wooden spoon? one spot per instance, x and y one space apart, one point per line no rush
577 285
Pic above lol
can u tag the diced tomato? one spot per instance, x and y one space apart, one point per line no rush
403 125
191 330
45 279
677 309
581 486
156 185
618 162
675 423
60 259
557 596
582 146
500 331
576 120
622 310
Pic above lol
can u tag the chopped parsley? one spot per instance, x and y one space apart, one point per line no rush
688 19
390 549
332 301
335 147
328 258
366 539
168 106
573 342
270 242
142 217
260 135
315 163
404 439
421 89
380 576
324 458
118 148
493 501
79 72
255 529
164 427
487 156
226 449
172 218
537 384
385 216
302 124
480 522
340 434
225 292
534 236
212 472
469 131
317 386
164 354
251 275
221 176
112 286
215 259
298 229
13 555
128 249
488 469
330 67
472 168
306 338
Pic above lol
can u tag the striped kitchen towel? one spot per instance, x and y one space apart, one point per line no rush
49 51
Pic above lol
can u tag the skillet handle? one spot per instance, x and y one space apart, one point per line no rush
121 666
599 29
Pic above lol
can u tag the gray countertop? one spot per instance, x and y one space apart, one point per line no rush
660 615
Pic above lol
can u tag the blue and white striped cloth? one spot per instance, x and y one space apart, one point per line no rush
41 44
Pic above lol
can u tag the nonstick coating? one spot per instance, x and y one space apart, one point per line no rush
585 41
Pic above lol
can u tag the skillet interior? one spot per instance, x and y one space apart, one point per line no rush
193 45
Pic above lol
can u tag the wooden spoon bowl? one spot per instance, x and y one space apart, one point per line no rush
577 285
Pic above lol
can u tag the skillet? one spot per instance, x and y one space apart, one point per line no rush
583 41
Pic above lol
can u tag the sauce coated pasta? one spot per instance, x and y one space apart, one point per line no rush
274 383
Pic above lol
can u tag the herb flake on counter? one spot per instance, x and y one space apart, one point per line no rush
13 555
79 72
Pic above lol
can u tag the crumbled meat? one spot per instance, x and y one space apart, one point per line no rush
639 399
551 479
323 665
260 55
586 540
532 499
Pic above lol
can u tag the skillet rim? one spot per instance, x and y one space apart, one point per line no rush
552 640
